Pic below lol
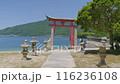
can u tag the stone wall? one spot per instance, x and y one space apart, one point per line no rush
92 41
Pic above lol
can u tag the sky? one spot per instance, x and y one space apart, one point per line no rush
16 12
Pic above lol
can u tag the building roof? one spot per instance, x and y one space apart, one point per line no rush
60 19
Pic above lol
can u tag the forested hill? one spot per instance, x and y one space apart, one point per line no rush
39 28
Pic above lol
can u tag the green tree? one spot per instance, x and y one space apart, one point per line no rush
101 15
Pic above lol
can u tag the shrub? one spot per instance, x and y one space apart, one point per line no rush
83 34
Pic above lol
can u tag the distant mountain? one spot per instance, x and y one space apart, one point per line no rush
39 28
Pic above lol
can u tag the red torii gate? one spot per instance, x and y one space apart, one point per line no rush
63 25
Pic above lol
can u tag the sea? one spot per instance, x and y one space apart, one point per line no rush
12 43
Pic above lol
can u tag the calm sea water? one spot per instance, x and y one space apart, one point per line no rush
8 43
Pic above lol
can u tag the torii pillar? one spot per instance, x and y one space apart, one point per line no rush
52 36
72 36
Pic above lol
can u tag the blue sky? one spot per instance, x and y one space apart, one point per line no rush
16 12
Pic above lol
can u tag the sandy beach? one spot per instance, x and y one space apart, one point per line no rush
13 59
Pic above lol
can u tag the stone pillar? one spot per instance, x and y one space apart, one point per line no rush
75 38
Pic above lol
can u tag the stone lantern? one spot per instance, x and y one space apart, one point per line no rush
45 44
82 44
34 46
102 53
25 47
49 44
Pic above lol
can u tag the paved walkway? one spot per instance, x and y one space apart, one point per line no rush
59 59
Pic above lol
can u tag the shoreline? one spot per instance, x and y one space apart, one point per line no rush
53 50
38 36
9 51
33 35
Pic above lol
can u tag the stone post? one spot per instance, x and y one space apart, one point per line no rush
75 38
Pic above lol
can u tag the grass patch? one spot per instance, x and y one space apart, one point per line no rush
112 52
91 58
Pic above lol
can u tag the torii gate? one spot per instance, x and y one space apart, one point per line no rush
71 21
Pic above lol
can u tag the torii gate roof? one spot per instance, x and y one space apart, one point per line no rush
60 19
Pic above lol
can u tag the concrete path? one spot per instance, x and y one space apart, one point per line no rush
59 59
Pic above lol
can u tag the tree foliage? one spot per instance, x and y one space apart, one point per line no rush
101 15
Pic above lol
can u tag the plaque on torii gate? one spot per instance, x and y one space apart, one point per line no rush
63 21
